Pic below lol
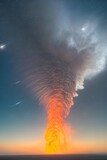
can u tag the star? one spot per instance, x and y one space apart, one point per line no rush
83 28
2 46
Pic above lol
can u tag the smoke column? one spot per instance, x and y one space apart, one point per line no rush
57 57
59 77
67 56
56 89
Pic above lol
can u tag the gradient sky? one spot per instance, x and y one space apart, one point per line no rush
23 120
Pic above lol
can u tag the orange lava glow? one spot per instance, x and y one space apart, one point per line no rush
55 135
74 147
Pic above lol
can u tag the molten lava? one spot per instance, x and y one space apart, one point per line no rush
58 108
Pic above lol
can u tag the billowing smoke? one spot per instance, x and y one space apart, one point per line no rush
68 54
62 55
59 76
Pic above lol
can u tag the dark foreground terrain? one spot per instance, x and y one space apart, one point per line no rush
54 157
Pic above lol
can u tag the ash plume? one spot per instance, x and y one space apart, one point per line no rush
57 58
68 57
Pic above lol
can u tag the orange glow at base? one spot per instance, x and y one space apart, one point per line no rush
74 147
58 108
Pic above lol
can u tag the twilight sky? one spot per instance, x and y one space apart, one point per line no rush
22 118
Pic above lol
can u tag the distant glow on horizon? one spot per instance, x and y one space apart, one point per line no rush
83 146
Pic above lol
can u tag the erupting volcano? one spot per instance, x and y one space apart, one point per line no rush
60 54
56 81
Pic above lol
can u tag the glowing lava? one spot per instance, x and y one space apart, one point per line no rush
58 108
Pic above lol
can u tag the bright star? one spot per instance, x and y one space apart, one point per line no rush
83 28
2 46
